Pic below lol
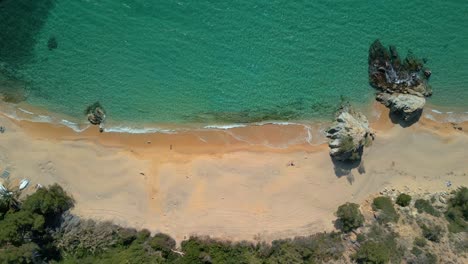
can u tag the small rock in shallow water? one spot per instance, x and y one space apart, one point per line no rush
95 113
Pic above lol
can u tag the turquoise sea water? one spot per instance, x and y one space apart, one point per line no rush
222 61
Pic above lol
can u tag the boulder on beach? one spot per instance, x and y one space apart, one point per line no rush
349 134
403 82
407 106
95 114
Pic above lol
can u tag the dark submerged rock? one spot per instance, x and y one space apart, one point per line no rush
52 43
95 114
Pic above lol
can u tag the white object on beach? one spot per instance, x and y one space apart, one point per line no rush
2 188
23 184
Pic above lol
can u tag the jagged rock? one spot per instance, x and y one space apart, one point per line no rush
404 83
348 135
389 73
95 114
408 106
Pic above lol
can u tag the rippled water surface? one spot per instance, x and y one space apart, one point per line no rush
221 61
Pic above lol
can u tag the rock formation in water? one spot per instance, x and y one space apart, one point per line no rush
349 134
95 114
404 83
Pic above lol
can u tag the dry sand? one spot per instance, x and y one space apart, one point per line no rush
233 184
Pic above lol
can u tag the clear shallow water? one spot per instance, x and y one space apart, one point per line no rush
210 62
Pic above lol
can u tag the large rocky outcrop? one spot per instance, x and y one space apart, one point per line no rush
407 106
95 114
403 83
349 134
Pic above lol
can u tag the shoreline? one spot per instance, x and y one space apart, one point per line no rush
230 184
28 112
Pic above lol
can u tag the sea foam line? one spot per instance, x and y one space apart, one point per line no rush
73 125
224 127
130 130
25 111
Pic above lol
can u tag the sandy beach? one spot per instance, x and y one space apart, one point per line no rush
230 184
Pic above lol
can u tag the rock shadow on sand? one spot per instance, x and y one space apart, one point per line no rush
396 118
345 168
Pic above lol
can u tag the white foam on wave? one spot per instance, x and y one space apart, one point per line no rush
308 138
35 118
11 116
42 119
429 116
73 125
309 134
436 111
131 130
25 111
224 127
279 123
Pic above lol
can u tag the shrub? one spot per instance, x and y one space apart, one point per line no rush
163 243
416 251
17 227
420 242
50 202
349 217
432 232
421 257
457 211
372 252
360 238
425 206
320 247
347 144
86 237
386 209
403 200
198 250
20 254
379 234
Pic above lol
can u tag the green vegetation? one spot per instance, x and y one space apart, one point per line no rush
349 217
383 237
425 206
347 145
420 242
403 200
457 211
40 229
387 212
421 256
431 232
24 228
372 252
